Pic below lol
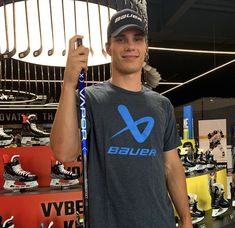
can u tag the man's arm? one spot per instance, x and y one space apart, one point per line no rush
65 135
176 184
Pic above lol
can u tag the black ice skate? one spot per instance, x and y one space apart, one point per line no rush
31 135
218 202
15 177
197 214
189 165
232 190
211 163
5 139
62 177
8 223
201 164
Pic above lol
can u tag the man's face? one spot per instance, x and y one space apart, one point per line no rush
127 51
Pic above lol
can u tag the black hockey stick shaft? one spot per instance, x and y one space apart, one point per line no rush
84 146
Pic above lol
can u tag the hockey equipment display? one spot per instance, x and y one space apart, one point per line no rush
8 223
15 177
84 149
197 214
31 134
218 202
60 176
5 139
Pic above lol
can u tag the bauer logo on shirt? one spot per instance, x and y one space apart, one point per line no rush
139 136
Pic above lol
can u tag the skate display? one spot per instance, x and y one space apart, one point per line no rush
232 190
15 177
8 223
197 214
31 134
219 203
60 176
5 139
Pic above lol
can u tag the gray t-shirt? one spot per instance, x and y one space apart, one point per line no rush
128 134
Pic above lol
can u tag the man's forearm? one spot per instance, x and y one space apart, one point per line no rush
178 191
64 134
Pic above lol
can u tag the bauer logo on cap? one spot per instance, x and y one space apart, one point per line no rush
124 19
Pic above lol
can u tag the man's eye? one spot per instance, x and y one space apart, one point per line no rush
120 39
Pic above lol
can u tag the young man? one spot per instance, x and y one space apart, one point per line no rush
132 136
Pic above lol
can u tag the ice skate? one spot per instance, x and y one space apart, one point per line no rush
15 177
197 214
61 177
201 164
189 166
31 135
211 163
218 202
8 223
5 139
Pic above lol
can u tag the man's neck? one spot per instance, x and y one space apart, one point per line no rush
130 82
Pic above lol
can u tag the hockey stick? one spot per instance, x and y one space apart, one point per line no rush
89 28
8 54
101 34
26 52
75 16
39 51
64 51
84 147
51 51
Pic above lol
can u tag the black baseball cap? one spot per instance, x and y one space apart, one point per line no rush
124 19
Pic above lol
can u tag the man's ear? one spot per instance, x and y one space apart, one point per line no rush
107 46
